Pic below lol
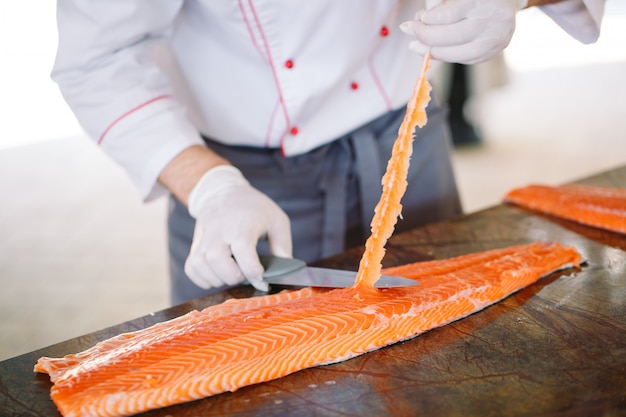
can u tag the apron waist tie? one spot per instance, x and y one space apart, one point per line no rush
370 174
333 184
357 152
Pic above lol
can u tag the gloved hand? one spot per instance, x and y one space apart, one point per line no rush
464 31
231 216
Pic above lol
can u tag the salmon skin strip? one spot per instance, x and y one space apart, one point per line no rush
394 182
243 342
601 207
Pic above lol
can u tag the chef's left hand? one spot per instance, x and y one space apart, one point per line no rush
464 31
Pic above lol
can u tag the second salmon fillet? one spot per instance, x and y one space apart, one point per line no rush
602 207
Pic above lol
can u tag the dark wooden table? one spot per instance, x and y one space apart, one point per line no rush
555 348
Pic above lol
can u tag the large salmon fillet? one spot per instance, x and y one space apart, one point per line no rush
247 341
601 207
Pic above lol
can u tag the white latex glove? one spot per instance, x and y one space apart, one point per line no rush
231 216
464 31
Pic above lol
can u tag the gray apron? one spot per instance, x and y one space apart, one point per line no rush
330 193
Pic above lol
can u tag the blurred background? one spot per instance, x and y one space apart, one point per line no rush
79 251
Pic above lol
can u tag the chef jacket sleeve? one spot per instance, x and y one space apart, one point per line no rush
107 71
579 18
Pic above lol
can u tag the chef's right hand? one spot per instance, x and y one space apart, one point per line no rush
231 216
463 31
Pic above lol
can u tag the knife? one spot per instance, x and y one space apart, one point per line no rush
295 272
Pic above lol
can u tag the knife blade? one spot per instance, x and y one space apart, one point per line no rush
295 272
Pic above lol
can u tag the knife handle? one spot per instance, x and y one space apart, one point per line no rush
276 266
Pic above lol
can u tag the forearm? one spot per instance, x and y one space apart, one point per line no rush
184 171
581 19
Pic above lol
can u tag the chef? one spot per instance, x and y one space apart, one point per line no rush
269 123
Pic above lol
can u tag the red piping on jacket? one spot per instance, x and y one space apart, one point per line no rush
250 31
378 84
268 56
269 126
128 113
370 61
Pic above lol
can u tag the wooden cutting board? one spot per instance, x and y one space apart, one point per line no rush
555 348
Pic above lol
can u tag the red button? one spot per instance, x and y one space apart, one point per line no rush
294 131
354 86
384 31
289 64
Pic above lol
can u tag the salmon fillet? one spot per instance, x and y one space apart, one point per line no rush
601 207
247 341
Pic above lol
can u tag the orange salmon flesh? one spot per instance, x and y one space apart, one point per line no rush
601 207
248 341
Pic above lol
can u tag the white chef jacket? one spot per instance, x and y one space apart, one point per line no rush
147 78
